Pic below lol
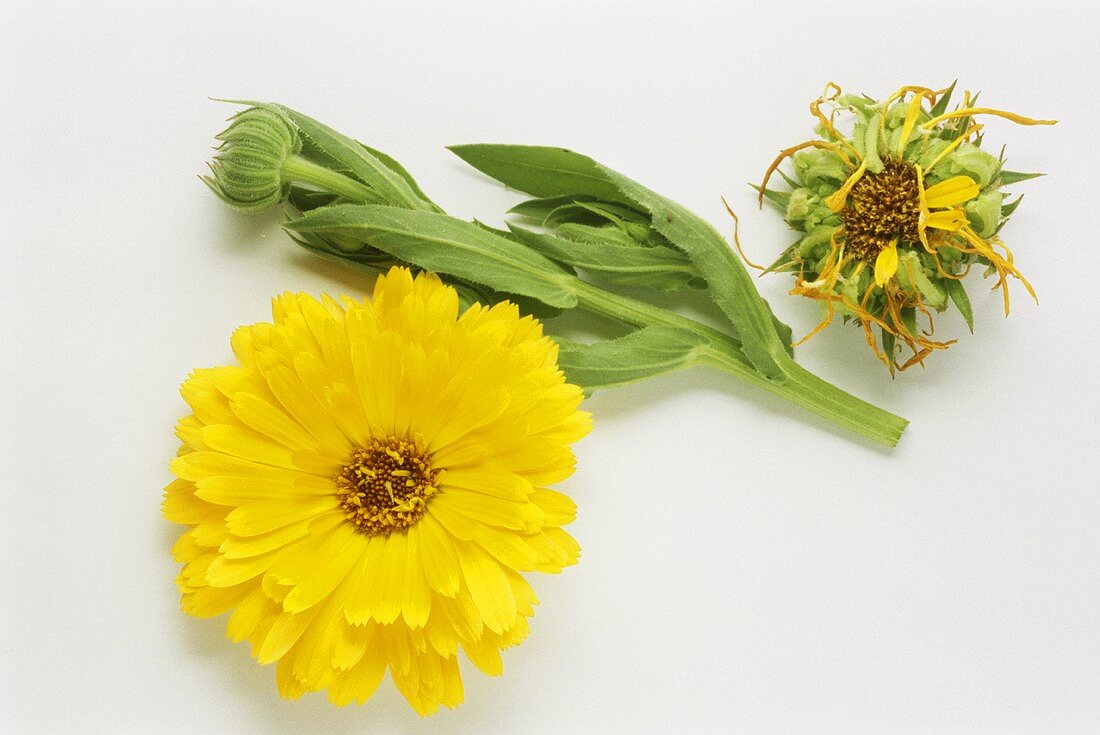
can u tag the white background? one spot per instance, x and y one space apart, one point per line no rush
746 568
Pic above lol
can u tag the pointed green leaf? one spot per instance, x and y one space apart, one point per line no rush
661 268
541 209
642 354
889 342
1008 209
1012 177
393 165
941 104
548 172
909 316
304 199
345 154
764 338
958 296
443 244
541 171
779 198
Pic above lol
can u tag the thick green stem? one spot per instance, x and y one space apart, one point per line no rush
797 385
818 396
306 171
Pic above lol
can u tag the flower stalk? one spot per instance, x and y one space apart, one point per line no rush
363 208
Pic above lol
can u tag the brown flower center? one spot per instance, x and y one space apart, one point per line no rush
882 208
386 485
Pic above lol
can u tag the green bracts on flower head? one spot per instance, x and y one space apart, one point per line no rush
359 206
892 215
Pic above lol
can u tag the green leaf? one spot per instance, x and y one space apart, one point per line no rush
889 342
765 340
642 354
941 104
779 198
540 210
909 316
401 171
550 172
1012 177
440 243
958 296
351 156
660 268
541 171
786 262
1008 209
602 234
304 199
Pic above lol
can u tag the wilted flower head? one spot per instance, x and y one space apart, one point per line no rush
895 213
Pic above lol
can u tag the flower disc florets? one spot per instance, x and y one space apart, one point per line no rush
881 209
893 215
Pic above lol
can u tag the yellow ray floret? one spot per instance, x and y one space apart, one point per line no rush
365 489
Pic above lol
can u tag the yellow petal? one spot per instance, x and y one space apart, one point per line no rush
438 556
359 682
350 642
911 114
490 481
956 190
360 603
265 515
485 656
886 264
241 490
836 201
971 111
947 219
242 548
510 549
248 615
486 509
391 582
325 578
270 421
558 508
489 588
416 597
286 631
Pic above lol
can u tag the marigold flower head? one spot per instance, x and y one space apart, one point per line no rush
365 488
893 214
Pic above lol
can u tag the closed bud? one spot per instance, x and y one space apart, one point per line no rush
247 171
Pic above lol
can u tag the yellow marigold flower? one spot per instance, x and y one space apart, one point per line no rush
365 488
893 215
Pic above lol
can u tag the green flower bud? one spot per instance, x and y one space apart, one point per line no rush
247 171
